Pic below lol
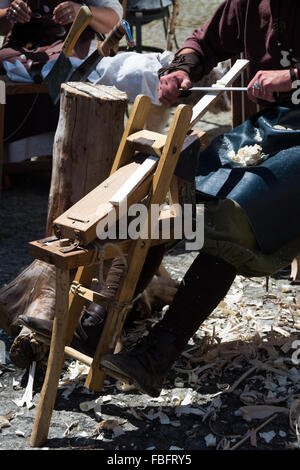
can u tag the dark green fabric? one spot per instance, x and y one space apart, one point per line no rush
269 192
229 236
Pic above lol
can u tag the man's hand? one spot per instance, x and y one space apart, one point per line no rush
168 88
18 12
267 82
65 12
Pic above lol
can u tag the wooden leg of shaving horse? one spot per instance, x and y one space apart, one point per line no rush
139 248
55 361
67 310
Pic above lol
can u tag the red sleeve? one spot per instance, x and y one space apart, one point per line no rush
221 37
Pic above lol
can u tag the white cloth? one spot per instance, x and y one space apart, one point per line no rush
132 73
113 4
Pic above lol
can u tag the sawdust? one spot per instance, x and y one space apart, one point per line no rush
236 386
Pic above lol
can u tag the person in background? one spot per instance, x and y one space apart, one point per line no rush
34 34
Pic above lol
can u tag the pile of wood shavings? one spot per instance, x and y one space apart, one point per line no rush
251 341
248 155
236 379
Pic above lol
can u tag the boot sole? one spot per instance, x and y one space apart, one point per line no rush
114 371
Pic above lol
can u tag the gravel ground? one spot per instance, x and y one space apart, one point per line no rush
200 407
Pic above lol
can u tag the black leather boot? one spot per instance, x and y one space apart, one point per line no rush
147 364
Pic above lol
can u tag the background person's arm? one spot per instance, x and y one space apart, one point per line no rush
11 13
104 18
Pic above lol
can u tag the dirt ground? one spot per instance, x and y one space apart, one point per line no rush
235 387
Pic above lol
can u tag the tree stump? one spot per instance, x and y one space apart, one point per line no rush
90 127
89 131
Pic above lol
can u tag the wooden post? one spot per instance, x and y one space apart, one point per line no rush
172 25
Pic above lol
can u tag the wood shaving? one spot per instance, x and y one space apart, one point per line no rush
261 411
248 155
187 410
110 424
267 436
294 416
5 421
210 440
27 397
248 434
70 427
282 128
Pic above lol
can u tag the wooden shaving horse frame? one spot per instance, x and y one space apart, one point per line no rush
73 246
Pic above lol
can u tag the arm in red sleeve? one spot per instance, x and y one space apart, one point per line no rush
221 37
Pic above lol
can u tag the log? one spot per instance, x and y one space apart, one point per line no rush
90 127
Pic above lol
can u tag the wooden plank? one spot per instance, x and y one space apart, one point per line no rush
205 102
122 195
157 141
84 216
81 220
51 254
79 257
135 123
85 230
